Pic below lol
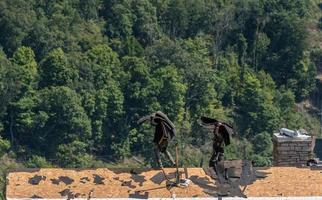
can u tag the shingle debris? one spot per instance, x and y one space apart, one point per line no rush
35 180
98 180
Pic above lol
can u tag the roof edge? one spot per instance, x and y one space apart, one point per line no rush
188 198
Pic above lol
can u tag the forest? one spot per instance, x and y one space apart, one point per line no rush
76 75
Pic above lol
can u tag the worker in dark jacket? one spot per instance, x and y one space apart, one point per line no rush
164 133
222 133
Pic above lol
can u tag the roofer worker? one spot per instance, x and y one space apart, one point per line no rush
164 133
221 138
218 144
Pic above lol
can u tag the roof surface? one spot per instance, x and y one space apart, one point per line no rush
105 183
118 183
287 181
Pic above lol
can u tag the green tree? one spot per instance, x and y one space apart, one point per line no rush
37 162
4 146
60 25
169 94
121 18
140 95
104 64
228 71
175 18
55 70
288 43
74 155
145 27
261 161
56 118
105 97
285 100
297 7
256 109
89 8
304 81
171 91
16 19
240 148
8 87
262 144
23 75
24 60
140 99
129 47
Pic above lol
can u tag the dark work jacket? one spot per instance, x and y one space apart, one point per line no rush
223 135
220 139
162 135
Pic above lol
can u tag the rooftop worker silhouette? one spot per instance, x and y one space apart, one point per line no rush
222 133
164 133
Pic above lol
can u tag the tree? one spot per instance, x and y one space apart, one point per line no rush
89 8
304 81
104 64
105 98
261 161
129 47
175 19
55 117
169 94
256 109
285 99
297 7
140 99
262 144
24 60
16 19
107 118
145 27
288 43
73 155
132 17
121 18
7 86
239 149
228 71
60 25
37 162
23 75
171 91
4 146
55 70
140 95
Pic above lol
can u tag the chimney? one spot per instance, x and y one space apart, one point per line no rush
292 148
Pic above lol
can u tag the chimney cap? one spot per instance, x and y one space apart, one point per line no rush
300 137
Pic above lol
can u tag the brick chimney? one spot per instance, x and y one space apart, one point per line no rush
292 150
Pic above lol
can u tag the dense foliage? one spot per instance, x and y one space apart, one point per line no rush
75 75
